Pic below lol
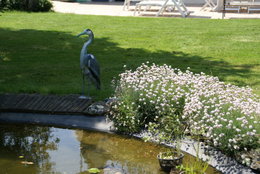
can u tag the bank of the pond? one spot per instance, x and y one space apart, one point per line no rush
217 160
97 123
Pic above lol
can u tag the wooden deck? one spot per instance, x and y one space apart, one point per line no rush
51 104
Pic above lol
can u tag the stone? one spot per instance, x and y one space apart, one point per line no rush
97 108
110 101
255 165
250 159
255 156
111 171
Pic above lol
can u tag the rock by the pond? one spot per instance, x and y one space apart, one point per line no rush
110 101
255 165
255 156
97 108
251 159
111 171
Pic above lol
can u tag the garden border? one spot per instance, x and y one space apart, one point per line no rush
97 123
215 158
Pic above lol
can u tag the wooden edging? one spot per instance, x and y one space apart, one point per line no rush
49 104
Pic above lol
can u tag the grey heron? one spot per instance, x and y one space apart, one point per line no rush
89 65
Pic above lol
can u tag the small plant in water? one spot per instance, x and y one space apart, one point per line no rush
192 166
170 160
171 154
93 170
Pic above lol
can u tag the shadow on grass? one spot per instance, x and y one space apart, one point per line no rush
35 61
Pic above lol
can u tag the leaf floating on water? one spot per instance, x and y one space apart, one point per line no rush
5 59
27 162
93 170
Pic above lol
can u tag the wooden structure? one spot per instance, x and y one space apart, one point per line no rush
51 104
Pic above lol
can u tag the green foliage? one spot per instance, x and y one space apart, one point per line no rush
149 104
93 170
168 103
168 129
194 167
26 5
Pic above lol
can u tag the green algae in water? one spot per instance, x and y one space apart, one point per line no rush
34 149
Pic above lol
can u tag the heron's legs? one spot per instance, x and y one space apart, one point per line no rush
88 90
83 88
83 85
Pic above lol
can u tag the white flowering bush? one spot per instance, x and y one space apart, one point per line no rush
166 100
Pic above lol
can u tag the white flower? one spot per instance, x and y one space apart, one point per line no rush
208 104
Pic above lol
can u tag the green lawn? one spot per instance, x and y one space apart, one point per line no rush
39 52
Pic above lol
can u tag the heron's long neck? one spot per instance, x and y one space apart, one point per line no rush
86 44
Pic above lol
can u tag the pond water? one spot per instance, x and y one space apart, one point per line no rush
31 149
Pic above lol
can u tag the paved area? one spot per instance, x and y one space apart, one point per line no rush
116 9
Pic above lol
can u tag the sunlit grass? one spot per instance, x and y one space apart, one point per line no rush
39 52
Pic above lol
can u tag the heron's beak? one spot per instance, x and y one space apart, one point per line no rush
81 34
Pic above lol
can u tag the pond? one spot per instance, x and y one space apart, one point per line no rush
33 149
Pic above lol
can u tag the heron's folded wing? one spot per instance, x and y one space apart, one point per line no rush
95 70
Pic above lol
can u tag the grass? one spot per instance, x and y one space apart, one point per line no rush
39 52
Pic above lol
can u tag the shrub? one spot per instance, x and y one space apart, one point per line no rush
26 5
161 99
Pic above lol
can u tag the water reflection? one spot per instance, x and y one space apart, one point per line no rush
65 151
31 144
118 154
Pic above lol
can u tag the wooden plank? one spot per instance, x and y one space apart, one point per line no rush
28 102
61 107
16 100
35 102
56 105
83 105
56 102
79 104
10 101
3 99
69 104
20 103
50 104
73 104
31 102
73 107
70 100
41 103
46 103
